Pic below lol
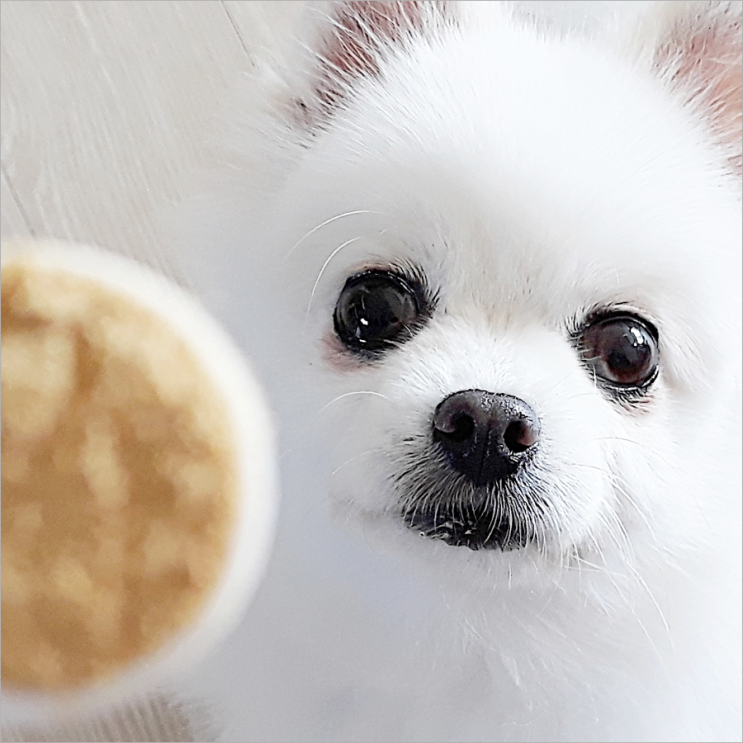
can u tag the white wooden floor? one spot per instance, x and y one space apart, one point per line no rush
105 106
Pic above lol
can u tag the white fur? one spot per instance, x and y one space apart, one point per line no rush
533 171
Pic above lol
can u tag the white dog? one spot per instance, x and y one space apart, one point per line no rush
488 262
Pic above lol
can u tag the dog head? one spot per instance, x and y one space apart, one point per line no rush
509 260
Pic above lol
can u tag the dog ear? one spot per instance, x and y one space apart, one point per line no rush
351 41
696 47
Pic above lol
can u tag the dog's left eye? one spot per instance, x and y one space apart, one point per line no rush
621 350
376 309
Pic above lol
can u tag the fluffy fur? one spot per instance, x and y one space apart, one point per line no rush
530 166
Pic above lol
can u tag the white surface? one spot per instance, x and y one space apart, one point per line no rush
106 106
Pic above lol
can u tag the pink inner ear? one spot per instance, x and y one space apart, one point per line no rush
361 28
360 33
710 67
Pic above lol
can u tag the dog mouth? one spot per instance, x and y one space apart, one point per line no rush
477 529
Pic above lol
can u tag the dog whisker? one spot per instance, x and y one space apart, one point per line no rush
367 453
626 440
654 601
327 222
322 271
351 394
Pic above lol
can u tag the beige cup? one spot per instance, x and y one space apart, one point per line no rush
139 480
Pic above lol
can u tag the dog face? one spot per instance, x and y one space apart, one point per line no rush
506 263
515 260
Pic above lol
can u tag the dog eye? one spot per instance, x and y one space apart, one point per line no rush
622 350
376 309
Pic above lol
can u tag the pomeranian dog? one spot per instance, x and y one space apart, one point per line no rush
487 260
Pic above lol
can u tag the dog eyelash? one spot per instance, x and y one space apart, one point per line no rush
416 277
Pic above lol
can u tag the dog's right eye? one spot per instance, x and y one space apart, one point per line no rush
375 310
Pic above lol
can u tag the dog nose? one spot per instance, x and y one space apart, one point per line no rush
485 435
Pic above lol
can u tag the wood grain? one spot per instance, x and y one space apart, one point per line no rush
263 27
12 221
104 108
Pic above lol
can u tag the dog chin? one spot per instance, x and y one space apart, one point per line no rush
476 529
504 517
486 529
468 527
464 559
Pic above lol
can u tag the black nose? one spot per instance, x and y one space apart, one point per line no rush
484 435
